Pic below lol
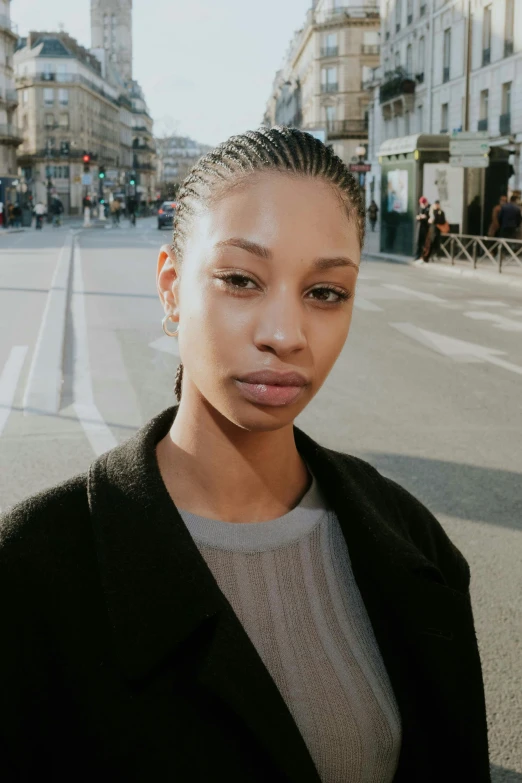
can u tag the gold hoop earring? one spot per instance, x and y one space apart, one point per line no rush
164 324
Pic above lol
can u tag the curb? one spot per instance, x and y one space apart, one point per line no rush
458 271
44 384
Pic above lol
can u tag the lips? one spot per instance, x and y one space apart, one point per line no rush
274 378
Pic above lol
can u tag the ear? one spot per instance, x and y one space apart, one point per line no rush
167 279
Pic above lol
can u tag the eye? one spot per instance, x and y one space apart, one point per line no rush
237 282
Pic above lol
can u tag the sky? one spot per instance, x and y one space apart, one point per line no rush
206 66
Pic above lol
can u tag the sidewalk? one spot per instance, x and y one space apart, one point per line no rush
510 275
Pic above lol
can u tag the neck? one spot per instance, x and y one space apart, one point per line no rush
214 468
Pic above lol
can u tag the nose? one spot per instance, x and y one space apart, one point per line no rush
280 323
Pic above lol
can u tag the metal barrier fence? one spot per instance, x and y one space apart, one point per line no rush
481 250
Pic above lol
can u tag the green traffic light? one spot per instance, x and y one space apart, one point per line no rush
133 182
101 175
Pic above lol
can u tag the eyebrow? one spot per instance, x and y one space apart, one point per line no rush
264 252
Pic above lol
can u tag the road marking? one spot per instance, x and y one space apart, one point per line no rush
98 433
9 381
487 303
458 350
365 304
499 321
44 383
417 294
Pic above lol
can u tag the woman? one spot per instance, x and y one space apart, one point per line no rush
221 597
422 219
494 226
373 211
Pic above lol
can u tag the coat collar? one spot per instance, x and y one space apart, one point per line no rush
159 590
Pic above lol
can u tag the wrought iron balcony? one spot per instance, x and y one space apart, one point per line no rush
482 125
505 123
346 129
395 84
329 51
331 87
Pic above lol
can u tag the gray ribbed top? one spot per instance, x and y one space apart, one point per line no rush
290 582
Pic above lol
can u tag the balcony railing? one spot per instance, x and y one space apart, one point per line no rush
370 48
396 83
505 123
420 77
446 73
486 56
332 87
11 134
66 78
342 129
508 48
345 12
482 125
329 51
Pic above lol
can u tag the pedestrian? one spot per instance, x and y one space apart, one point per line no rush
10 213
373 211
510 219
17 215
494 226
436 225
422 218
115 211
221 597
2 215
56 211
131 207
39 212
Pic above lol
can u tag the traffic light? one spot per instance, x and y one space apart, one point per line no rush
132 178
86 157
64 148
101 172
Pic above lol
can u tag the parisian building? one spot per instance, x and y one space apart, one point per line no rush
10 135
320 84
75 102
449 66
175 157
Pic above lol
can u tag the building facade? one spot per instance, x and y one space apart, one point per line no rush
10 135
111 31
175 157
65 108
320 84
452 65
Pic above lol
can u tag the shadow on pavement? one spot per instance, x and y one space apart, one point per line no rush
455 489
503 775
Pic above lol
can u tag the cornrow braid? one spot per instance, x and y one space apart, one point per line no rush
279 148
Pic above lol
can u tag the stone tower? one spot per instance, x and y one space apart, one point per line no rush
111 30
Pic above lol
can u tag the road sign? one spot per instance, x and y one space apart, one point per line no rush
469 147
470 161
360 167
86 179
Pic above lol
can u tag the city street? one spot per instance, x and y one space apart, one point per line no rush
427 389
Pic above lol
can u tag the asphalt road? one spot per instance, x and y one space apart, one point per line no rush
427 388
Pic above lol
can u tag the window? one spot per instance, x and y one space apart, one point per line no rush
329 80
483 111
64 97
25 96
444 117
331 115
407 123
486 36
410 11
509 27
397 59
48 96
446 55
420 118
64 120
421 57
330 48
409 59
49 120
398 15
505 117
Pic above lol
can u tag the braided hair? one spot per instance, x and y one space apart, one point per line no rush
279 148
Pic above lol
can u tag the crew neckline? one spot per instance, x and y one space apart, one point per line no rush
260 536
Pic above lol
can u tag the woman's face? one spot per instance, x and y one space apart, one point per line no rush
267 283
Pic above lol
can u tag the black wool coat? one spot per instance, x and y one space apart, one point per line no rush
121 660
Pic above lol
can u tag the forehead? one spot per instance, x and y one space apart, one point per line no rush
299 213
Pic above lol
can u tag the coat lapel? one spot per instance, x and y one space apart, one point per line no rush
159 590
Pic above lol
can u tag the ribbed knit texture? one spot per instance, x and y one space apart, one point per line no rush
290 582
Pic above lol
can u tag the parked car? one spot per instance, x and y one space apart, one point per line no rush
166 214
